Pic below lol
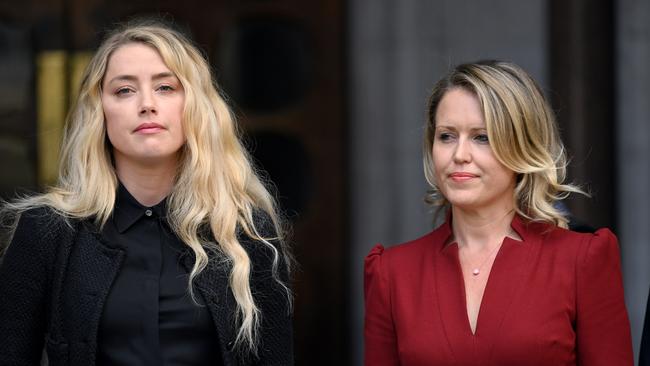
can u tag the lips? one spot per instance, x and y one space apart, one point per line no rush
149 127
462 176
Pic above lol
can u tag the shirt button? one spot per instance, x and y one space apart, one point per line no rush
148 212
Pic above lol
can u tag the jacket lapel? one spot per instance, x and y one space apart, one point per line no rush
98 263
212 285
85 268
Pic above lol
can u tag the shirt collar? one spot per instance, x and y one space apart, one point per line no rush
525 229
128 210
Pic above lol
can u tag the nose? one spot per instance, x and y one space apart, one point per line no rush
462 154
147 103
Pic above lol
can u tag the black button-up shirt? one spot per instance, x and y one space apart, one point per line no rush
149 317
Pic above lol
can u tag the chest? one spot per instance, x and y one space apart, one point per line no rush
474 283
525 315
85 276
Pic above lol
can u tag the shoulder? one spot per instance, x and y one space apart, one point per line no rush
268 252
599 247
43 215
262 224
577 248
577 241
410 249
36 237
404 255
42 224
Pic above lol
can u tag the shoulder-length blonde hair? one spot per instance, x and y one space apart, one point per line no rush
216 188
522 131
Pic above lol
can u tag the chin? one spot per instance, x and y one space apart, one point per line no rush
464 205
463 202
154 156
460 196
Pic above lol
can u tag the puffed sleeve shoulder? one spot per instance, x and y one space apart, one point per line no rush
375 283
379 331
373 264
602 325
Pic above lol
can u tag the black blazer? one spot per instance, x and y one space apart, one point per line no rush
55 277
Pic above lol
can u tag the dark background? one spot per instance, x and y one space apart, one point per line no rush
285 68
281 67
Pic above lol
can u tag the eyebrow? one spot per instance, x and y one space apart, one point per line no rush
454 128
161 75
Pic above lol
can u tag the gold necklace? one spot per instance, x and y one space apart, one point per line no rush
477 270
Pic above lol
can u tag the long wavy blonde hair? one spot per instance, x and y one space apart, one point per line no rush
522 131
216 188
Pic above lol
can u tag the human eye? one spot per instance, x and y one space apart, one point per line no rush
166 88
444 136
124 91
482 138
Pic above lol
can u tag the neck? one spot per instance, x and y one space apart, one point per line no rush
482 230
148 182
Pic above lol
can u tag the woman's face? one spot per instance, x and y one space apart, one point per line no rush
466 170
143 106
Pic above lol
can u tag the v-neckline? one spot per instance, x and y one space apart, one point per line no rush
468 322
503 284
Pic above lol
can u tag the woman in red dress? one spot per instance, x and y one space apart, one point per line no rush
502 281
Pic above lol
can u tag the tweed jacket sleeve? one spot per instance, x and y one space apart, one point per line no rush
25 284
273 300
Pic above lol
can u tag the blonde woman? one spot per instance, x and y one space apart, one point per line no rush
502 281
159 245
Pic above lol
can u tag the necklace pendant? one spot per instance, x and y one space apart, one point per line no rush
476 271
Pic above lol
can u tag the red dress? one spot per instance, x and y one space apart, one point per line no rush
555 298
